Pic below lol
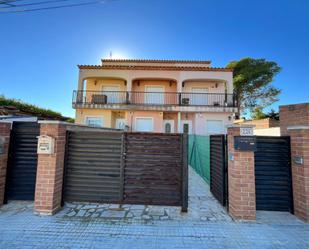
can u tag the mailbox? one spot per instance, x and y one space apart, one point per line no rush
46 144
245 143
2 141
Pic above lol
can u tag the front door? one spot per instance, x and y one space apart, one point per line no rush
154 95
120 123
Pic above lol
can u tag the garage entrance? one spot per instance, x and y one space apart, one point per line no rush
273 178
22 161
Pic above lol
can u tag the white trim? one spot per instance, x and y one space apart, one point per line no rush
162 86
298 127
171 122
135 122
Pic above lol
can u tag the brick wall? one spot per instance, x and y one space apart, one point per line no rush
5 129
291 115
50 171
300 173
241 180
262 123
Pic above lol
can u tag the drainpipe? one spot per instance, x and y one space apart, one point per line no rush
179 122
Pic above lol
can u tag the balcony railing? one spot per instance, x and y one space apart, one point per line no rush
153 98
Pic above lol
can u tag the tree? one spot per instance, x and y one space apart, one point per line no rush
252 83
258 114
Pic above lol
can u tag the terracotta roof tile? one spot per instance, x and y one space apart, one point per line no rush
157 61
167 68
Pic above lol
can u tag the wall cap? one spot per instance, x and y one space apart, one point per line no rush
240 126
53 122
298 127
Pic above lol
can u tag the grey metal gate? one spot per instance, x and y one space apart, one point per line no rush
273 179
218 168
22 161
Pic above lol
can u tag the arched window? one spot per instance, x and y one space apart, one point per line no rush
168 128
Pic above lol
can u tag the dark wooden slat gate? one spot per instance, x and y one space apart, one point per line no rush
218 170
153 167
273 179
136 168
92 171
22 161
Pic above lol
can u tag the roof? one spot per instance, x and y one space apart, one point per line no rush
143 67
157 61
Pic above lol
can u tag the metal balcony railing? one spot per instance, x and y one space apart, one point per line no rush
93 98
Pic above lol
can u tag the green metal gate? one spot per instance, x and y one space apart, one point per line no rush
199 155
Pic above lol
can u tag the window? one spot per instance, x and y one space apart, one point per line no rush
168 128
199 96
215 127
94 121
186 128
144 124
154 95
112 93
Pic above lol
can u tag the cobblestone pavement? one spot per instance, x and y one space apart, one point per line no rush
202 207
115 228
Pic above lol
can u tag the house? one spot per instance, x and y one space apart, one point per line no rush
263 127
155 96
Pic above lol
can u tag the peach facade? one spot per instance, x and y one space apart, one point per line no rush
168 96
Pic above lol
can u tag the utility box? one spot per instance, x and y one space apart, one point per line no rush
46 144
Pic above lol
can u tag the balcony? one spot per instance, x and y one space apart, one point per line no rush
103 99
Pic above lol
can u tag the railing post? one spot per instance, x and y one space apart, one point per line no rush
179 98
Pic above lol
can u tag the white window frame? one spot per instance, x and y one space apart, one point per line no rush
182 122
163 94
135 123
222 126
171 122
95 117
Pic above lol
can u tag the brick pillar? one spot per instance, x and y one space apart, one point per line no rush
241 180
49 178
5 129
300 172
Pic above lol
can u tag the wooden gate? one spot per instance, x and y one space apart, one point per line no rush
22 161
135 168
218 168
273 179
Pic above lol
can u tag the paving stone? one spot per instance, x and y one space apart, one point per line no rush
129 215
113 214
81 213
71 214
146 217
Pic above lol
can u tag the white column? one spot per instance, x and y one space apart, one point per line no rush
179 122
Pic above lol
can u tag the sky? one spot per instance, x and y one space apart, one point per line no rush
39 51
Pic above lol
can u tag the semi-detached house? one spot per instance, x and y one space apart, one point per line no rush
155 96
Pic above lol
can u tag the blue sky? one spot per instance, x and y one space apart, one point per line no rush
39 51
